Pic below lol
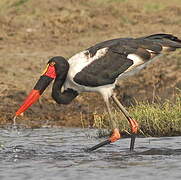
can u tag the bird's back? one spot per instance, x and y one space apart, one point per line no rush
103 63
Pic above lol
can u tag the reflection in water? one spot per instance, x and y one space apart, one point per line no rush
59 154
164 151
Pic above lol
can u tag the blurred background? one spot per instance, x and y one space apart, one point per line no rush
32 31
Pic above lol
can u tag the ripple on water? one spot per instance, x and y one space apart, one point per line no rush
56 153
15 130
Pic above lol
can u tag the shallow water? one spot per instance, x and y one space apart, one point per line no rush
58 153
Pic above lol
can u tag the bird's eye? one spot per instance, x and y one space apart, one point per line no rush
52 63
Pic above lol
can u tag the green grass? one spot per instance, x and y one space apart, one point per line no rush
110 1
19 3
153 7
159 119
155 119
8 4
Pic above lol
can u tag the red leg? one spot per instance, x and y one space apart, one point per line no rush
133 123
115 135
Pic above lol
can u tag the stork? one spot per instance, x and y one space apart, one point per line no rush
97 69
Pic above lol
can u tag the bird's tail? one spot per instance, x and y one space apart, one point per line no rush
157 45
167 41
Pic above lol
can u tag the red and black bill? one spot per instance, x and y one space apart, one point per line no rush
48 75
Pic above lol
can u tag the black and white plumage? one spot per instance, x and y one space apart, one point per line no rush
98 68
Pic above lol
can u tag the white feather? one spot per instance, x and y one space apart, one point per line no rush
131 72
137 60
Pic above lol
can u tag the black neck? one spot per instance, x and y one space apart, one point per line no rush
64 97
56 89
62 68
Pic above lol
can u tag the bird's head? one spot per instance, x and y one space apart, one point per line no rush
57 68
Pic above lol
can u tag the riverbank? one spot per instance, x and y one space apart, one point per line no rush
33 31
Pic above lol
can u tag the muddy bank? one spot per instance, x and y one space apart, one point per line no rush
31 33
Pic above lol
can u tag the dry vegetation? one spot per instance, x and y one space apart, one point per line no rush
31 31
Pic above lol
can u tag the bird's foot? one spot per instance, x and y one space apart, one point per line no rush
134 130
115 135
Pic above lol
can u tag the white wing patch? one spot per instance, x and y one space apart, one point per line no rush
83 59
137 60
132 71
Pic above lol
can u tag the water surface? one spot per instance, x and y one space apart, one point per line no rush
58 154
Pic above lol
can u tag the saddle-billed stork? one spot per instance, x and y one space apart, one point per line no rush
97 69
